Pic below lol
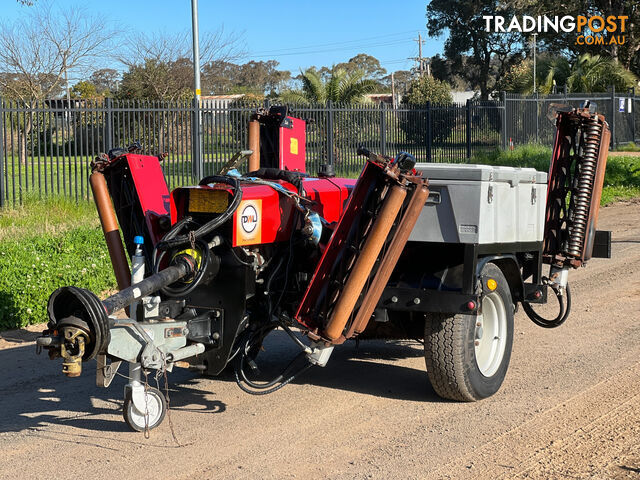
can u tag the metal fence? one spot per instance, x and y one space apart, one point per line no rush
46 147
531 119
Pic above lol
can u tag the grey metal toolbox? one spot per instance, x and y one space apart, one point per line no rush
481 204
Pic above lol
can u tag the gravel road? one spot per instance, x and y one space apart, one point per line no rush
569 407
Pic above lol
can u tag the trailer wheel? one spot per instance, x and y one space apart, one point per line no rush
155 411
467 356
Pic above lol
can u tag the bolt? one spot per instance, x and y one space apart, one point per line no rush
416 301
477 342
215 336
394 299
216 313
479 324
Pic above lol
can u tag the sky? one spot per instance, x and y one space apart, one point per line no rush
298 34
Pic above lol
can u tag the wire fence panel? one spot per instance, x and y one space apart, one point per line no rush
46 147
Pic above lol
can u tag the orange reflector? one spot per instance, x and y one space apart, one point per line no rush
492 284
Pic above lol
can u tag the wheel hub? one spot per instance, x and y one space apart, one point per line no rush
490 334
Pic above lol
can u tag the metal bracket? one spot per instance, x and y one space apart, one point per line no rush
138 396
106 372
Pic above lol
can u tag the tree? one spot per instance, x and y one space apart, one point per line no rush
340 87
428 89
565 42
84 90
158 80
367 64
105 80
39 51
261 77
160 65
443 69
488 55
402 79
587 73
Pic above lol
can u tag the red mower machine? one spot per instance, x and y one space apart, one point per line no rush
440 252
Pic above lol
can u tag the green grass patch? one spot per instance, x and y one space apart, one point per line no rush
628 147
622 177
45 245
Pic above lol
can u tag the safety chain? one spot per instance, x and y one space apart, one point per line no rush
146 405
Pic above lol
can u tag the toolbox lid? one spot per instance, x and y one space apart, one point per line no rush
486 173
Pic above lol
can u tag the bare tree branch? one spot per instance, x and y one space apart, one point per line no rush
38 51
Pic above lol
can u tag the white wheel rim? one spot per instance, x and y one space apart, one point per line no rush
154 409
490 334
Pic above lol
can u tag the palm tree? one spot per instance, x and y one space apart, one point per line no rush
587 73
340 87
595 73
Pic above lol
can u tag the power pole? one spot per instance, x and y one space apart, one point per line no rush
197 162
535 38
419 59
393 91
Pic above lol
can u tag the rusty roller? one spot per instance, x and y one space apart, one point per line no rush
110 228
366 260
254 145
390 259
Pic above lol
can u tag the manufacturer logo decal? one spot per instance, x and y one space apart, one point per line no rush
247 228
249 219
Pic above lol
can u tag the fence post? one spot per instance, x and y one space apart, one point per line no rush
196 141
613 116
632 113
468 128
2 139
330 159
537 119
503 94
383 128
108 123
429 132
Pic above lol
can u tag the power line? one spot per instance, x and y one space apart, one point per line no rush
320 45
336 49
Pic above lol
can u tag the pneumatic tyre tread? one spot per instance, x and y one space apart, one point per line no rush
450 353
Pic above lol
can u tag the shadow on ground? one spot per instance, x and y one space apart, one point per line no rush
35 393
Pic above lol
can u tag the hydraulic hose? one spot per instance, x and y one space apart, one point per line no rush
172 240
565 309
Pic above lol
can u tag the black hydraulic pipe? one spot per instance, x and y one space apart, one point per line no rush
147 286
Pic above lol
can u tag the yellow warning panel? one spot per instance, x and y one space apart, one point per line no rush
208 201
293 146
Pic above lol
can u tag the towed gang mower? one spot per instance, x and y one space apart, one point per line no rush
440 252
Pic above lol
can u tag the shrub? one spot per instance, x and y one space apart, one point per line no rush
32 268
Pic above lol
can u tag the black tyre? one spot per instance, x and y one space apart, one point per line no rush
467 356
153 415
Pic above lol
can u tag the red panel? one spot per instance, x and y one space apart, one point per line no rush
329 194
292 146
273 210
151 189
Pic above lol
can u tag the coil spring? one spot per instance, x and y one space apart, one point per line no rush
587 172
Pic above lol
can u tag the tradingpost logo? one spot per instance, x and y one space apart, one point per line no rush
590 30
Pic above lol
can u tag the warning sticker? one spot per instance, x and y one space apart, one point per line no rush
248 224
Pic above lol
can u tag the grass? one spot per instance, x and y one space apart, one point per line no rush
622 177
45 245
628 147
